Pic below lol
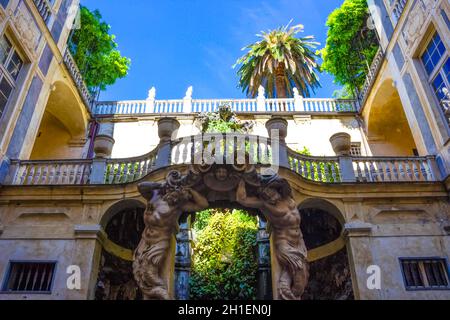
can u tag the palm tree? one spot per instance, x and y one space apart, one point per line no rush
280 62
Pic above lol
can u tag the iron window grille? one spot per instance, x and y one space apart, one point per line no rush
425 273
29 277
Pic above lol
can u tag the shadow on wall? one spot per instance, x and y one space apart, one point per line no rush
330 277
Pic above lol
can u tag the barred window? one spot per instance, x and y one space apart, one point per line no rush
422 274
33 277
355 149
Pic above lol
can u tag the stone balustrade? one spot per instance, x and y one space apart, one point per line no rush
44 7
143 107
371 76
259 151
396 8
319 169
78 78
118 171
56 172
383 169
223 149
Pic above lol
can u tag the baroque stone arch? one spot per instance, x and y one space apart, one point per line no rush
118 207
388 130
123 225
63 128
323 230
243 184
324 205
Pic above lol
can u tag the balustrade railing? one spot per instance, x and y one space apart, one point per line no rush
371 76
56 172
78 78
142 107
222 149
397 8
128 170
236 149
319 169
45 8
383 169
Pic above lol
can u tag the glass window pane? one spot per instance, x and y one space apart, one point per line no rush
447 70
441 49
3 102
5 47
429 67
425 57
438 84
14 65
5 88
435 58
433 54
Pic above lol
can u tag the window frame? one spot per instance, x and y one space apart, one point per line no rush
5 74
420 260
6 279
439 68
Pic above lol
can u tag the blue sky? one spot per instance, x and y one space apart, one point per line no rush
177 43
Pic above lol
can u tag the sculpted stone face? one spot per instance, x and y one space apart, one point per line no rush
271 195
221 174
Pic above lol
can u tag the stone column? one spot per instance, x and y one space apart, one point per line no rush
103 146
277 129
183 259
166 128
264 289
360 258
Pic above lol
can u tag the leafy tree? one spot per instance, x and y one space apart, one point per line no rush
279 62
351 45
95 52
224 260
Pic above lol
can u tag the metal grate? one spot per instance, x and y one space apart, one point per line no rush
425 273
355 149
36 277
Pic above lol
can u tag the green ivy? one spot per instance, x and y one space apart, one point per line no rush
224 260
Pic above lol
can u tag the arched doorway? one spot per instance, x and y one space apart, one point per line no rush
123 224
389 133
330 277
223 254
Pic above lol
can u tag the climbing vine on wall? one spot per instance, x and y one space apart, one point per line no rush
224 260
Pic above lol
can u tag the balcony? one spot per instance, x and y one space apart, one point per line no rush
259 105
396 9
78 79
258 151
45 9
371 77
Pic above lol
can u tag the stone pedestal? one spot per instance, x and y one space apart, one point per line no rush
166 128
341 143
277 130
